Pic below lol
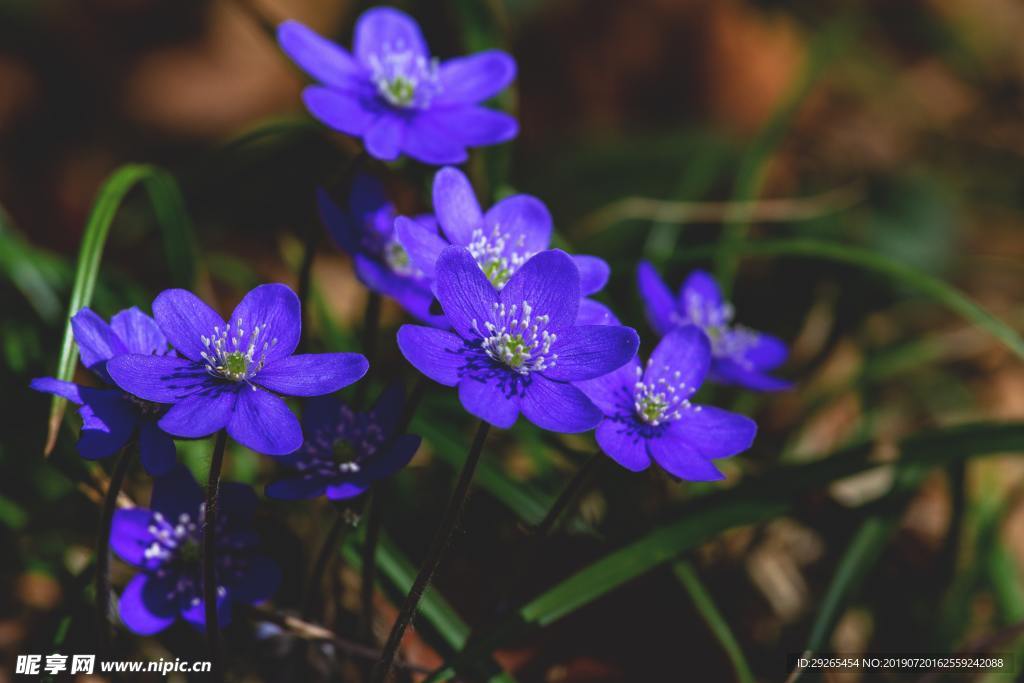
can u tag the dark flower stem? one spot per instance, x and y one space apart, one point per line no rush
210 554
442 537
103 544
330 544
568 496
371 327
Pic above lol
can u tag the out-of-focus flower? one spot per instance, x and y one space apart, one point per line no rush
648 413
165 543
366 230
501 240
111 417
231 373
391 93
740 356
520 348
346 451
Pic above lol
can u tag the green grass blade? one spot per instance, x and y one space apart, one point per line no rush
19 262
169 210
936 289
698 592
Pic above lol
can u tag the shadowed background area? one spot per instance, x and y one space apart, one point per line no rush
847 155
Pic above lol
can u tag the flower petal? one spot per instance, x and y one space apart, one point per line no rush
176 493
397 456
762 351
52 385
613 393
474 126
726 371
623 444
296 488
185 319
202 413
550 282
474 78
467 296
144 606
346 489
161 379
262 422
258 581
194 612
713 432
349 112
156 449
319 57
595 313
594 273
383 30
341 225
701 300
682 357
558 406
427 139
455 205
680 459
312 374
658 300
139 332
526 221
423 246
130 536
383 139
438 354
275 308
388 408
590 351
108 422
97 341
491 398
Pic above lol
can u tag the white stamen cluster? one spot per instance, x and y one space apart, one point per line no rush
727 340
398 259
498 255
663 400
403 78
518 340
233 355
341 450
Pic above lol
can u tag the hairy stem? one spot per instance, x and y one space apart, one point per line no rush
210 554
103 544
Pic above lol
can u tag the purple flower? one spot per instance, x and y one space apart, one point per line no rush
367 232
231 373
740 356
110 417
501 240
520 348
395 96
346 451
165 543
648 414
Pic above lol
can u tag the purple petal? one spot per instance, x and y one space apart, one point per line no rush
422 245
595 313
383 30
202 413
550 282
468 297
139 332
156 449
490 398
195 614
682 357
262 422
144 606
713 432
185 319
346 489
613 393
411 294
161 379
762 351
658 300
347 112
680 459
312 374
389 406
296 488
258 582
130 536
590 351
438 354
726 371
427 139
397 456
275 308
319 57
343 229
97 341
383 139
594 273
558 406
526 221
456 207
474 126
175 494
622 443
108 421
474 78
52 385
701 300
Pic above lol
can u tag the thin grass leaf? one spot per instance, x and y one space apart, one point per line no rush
171 217
19 261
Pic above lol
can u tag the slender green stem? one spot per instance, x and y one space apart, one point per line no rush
210 554
103 544
437 547
327 549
